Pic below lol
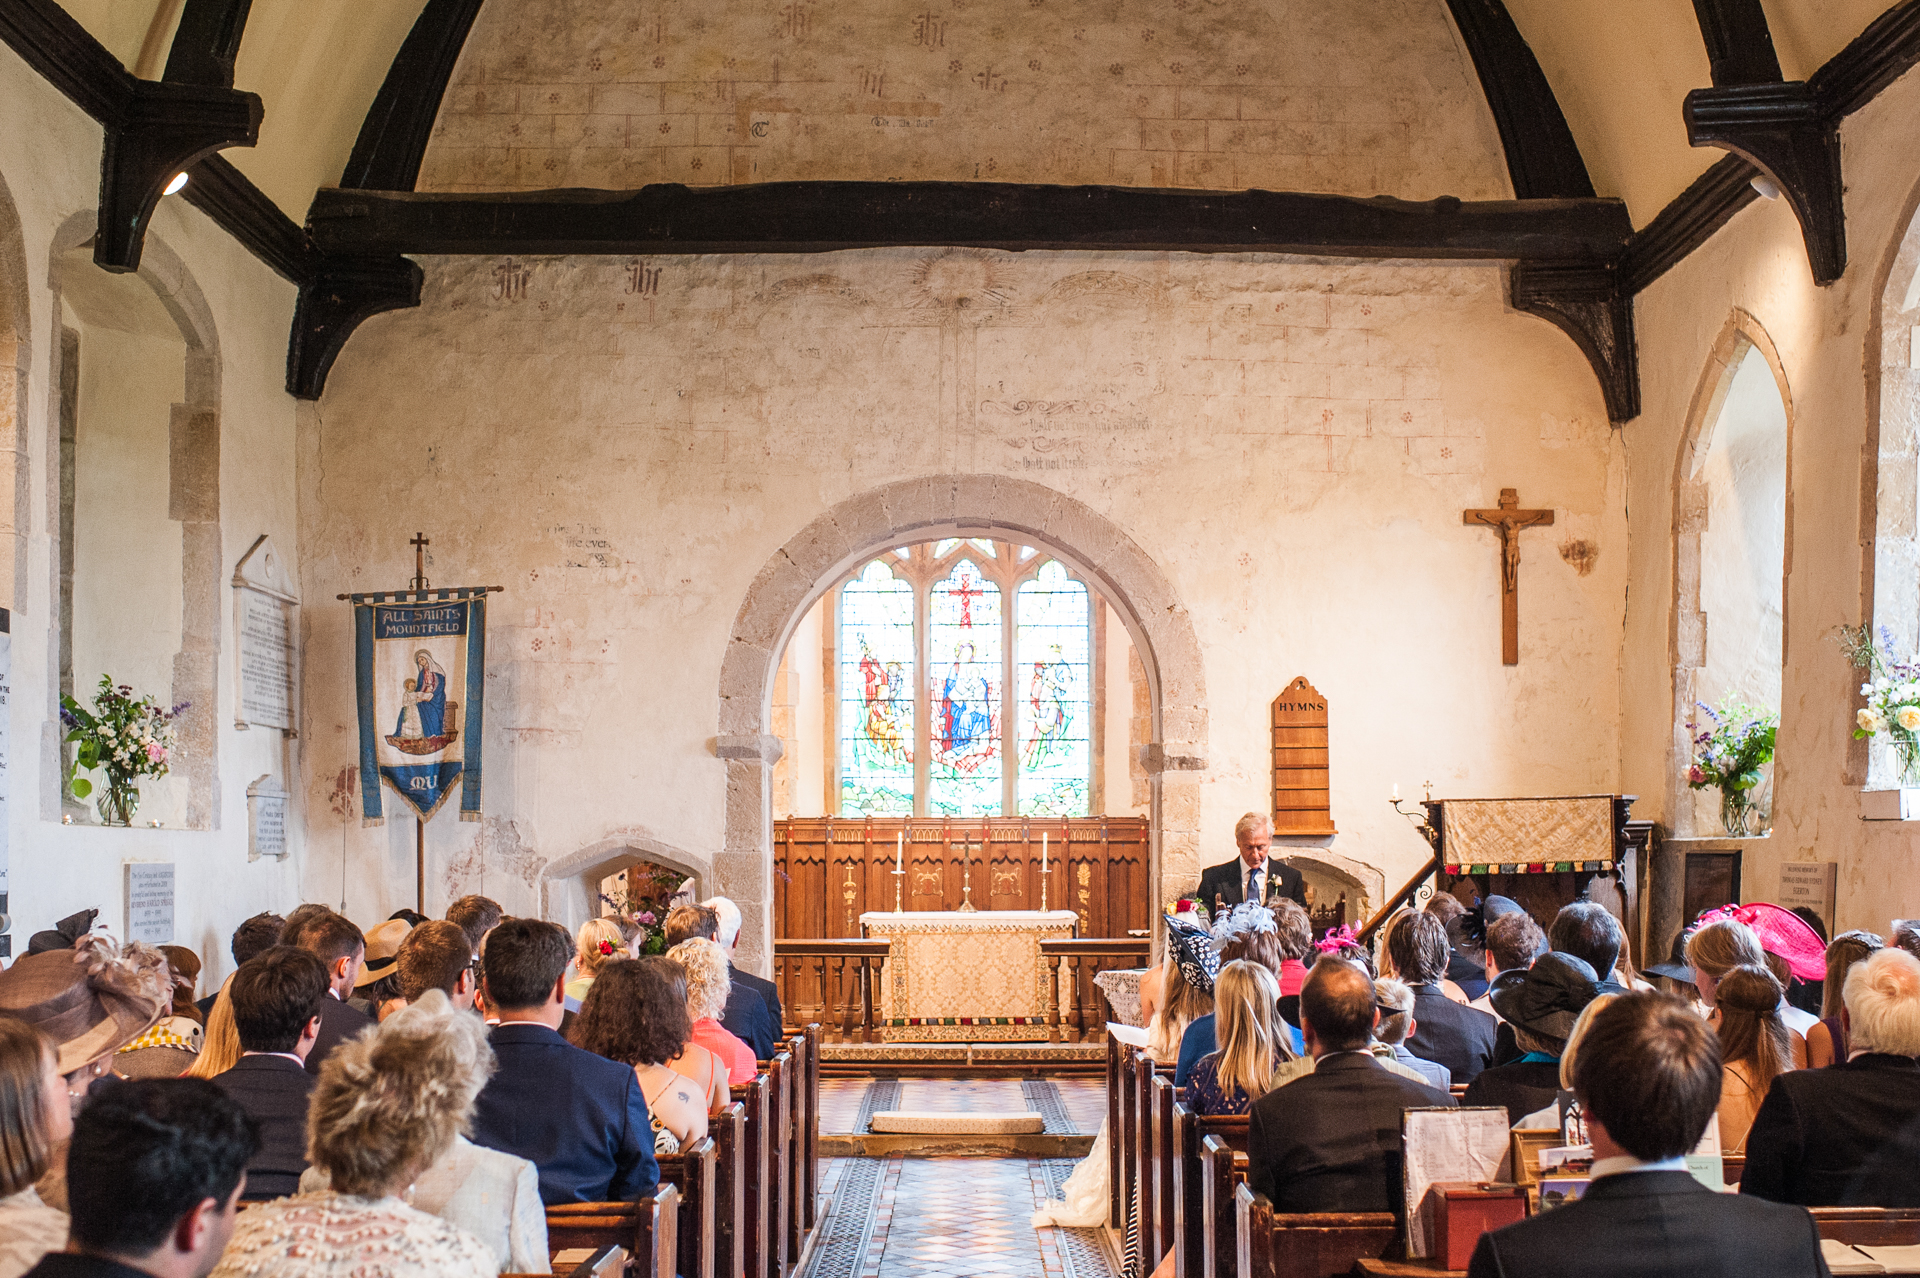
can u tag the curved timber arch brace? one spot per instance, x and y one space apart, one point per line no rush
799 572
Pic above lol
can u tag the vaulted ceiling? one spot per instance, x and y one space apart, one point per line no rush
1620 70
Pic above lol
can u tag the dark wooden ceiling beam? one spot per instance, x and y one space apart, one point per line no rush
815 217
1688 221
206 44
1739 42
1585 300
1543 159
153 129
393 138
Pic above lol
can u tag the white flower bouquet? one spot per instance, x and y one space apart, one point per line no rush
125 736
1892 690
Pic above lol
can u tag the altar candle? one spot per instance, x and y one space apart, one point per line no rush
899 851
1043 851
1396 792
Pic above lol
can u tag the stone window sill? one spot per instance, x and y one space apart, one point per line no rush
1890 805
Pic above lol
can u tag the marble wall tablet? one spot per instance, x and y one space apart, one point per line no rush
266 819
150 902
263 604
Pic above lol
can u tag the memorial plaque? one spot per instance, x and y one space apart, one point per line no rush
1809 883
1302 798
266 819
265 642
150 902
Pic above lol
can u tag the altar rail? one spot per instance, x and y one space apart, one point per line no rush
830 870
1080 1007
837 983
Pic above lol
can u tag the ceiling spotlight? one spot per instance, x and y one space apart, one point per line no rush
1761 183
180 181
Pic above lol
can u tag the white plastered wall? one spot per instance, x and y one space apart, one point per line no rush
49 158
1827 345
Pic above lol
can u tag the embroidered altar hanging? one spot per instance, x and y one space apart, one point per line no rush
419 671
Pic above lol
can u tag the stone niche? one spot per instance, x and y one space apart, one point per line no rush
1330 876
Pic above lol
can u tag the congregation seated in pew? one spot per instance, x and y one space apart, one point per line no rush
1541 1003
276 1013
1647 1077
578 1117
636 1013
1450 1033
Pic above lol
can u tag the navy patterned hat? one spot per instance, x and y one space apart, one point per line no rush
1192 948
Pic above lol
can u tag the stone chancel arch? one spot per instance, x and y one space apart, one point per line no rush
917 510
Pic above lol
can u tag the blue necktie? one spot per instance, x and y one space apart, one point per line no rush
1253 885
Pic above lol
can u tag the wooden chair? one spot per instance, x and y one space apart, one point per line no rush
1869 1226
728 1128
692 1172
1196 1228
754 1099
648 1229
1321 1244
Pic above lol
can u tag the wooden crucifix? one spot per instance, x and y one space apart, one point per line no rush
1507 520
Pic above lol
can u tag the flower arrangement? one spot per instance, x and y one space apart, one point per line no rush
1728 754
650 892
1892 690
126 736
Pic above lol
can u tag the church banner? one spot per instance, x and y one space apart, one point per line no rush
419 672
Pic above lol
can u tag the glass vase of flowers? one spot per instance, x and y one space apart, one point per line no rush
1892 690
1729 749
124 736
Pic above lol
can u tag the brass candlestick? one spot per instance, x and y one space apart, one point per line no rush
1043 891
899 881
966 903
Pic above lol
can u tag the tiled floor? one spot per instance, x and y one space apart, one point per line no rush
938 1217
947 1218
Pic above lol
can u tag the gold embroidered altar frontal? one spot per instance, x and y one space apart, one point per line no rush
966 978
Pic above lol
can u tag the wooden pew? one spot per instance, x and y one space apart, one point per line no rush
728 1128
1321 1244
648 1229
692 1172
1116 1208
1225 1171
599 1265
1125 1134
1152 1246
1160 1149
780 1201
755 1100
810 1158
1869 1226
799 1090
1197 1227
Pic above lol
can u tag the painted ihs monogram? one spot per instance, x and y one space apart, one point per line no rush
510 280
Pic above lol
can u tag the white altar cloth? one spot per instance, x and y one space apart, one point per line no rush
966 978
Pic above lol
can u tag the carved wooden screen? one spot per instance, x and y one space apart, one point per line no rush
828 871
1302 798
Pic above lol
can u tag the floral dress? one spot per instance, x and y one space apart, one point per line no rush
1204 1094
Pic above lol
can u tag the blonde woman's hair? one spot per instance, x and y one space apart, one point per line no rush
1244 997
1383 961
1578 1032
394 1098
1722 945
1389 993
220 1045
25 1054
708 983
587 955
1183 1004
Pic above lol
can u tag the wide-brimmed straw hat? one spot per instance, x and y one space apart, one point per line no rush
1547 998
88 1000
383 951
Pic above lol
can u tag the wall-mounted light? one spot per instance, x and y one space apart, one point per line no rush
180 181
1761 183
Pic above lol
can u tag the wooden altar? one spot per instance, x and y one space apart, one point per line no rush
955 977
828 871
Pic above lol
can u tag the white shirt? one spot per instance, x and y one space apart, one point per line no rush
285 1056
1623 1163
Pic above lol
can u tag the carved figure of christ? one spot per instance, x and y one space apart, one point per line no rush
1507 520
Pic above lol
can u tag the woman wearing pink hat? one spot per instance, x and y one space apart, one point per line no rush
1721 941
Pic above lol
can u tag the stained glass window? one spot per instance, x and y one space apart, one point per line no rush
877 652
1052 689
965 647
1007 647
